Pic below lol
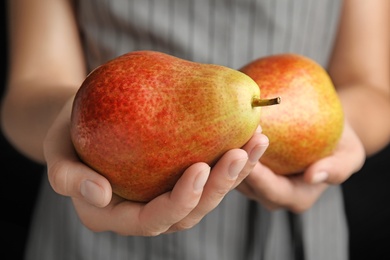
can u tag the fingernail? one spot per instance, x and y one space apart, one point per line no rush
320 177
92 192
236 167
201 179
256 153
259 129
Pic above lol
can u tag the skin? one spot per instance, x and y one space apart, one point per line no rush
313 113
138 171
43 80
359 67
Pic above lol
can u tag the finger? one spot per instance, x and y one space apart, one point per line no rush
277 191
151 219
266 187
347 159
76 180
118 216
222 177
255 148
172 207
67 175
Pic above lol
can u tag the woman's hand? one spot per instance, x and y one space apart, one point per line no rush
299 192
198 191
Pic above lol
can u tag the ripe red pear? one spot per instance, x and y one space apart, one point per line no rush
308 123
142 118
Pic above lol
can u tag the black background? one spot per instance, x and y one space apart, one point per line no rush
19 179
367 194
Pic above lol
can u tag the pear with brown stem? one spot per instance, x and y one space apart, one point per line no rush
142 118
308 124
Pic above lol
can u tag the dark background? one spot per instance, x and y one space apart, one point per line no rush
19 178
367 194
367 203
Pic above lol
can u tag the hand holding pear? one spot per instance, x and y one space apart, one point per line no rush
142 118
307 125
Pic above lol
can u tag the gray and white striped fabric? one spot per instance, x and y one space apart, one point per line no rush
226 32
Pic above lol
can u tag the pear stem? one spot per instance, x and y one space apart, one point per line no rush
258 102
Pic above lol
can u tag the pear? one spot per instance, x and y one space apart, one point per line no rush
307 125
142 118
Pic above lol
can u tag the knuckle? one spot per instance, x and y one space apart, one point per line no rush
149 231
271 207
185 205
93 228
184 225
89 222
57 173
218 193
271 199
275 199
339 177
248 167
300 207
221 192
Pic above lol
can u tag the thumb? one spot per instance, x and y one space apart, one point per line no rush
347 159
74 179
67 175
